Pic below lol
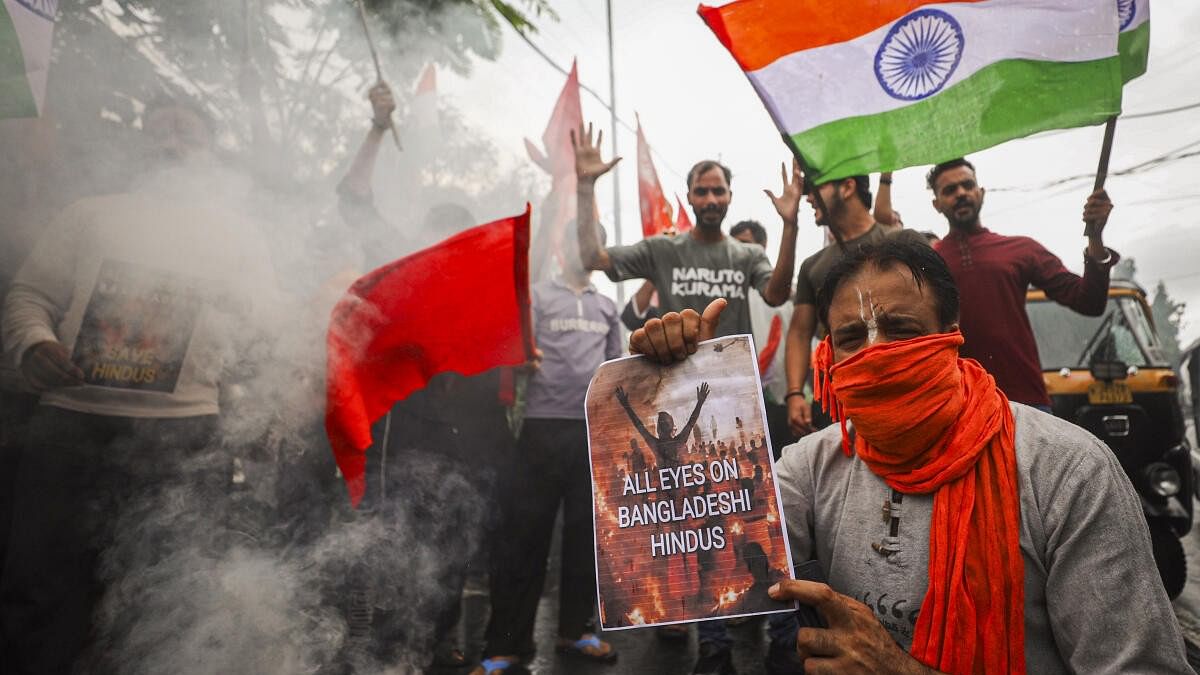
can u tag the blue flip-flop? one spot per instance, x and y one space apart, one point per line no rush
577 648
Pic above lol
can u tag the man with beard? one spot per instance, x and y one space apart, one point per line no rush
994 271
691 269
1012 540
127 317
850 219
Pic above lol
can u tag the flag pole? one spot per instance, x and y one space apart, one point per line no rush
362 15
612 101
1110 129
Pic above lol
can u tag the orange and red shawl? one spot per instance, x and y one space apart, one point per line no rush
459 306
927 421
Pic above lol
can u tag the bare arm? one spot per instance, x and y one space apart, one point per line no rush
358 178
701 397
787 205
797 356
883 201
641 299
637 421
588 167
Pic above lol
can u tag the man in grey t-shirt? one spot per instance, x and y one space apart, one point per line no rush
692 269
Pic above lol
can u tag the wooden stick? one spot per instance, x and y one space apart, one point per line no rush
1102 170
362 15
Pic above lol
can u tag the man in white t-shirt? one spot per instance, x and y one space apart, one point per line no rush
127 317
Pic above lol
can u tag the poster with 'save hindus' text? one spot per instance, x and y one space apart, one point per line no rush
688 522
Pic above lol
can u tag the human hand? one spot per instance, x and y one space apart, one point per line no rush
382 105
674 336
47 365
534 363
854 642
702 392
787 204
1095 213
588 163
799 415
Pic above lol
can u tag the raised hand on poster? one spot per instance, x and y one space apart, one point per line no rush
688 521
675 335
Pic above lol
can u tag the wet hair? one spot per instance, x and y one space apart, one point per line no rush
939 169
757 232
926 265
706 165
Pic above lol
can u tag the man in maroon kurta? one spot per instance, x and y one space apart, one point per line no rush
993 272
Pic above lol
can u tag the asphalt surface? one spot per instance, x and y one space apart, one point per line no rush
642 653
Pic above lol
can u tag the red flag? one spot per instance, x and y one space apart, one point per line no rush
656 212
405 322
682 222
557 158
767 355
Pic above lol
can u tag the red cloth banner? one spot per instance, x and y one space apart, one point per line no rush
400 325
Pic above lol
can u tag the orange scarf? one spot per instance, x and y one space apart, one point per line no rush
927 421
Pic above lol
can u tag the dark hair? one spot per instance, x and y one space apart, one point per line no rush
757 232
939 169
862 188
706 165
926 265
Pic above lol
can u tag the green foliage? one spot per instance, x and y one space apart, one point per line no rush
283 79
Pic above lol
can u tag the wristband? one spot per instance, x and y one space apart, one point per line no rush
791 394
885 181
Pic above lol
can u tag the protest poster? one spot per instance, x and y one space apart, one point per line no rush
687 513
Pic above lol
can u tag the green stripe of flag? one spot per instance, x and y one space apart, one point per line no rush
16 98
1008 99
1134 48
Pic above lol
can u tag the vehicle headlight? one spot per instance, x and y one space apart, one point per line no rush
1163 480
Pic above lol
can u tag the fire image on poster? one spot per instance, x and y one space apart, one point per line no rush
687 514
136 328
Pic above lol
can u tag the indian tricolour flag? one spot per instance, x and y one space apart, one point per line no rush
862 86
26 29
1134 41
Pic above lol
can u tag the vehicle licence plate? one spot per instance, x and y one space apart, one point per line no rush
1101 393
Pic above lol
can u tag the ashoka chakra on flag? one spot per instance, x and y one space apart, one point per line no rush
919 54
1126 10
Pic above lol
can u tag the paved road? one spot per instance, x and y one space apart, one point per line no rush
641 653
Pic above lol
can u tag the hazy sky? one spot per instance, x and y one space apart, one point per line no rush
695 103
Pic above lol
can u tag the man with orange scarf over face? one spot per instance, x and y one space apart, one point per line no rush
958 532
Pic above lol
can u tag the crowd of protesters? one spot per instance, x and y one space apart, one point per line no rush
129 318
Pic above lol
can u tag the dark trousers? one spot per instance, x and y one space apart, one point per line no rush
551 466
79 480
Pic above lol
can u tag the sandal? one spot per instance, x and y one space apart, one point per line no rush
587 647
497 664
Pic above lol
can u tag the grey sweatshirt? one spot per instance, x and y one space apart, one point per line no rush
1093 599
576 331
